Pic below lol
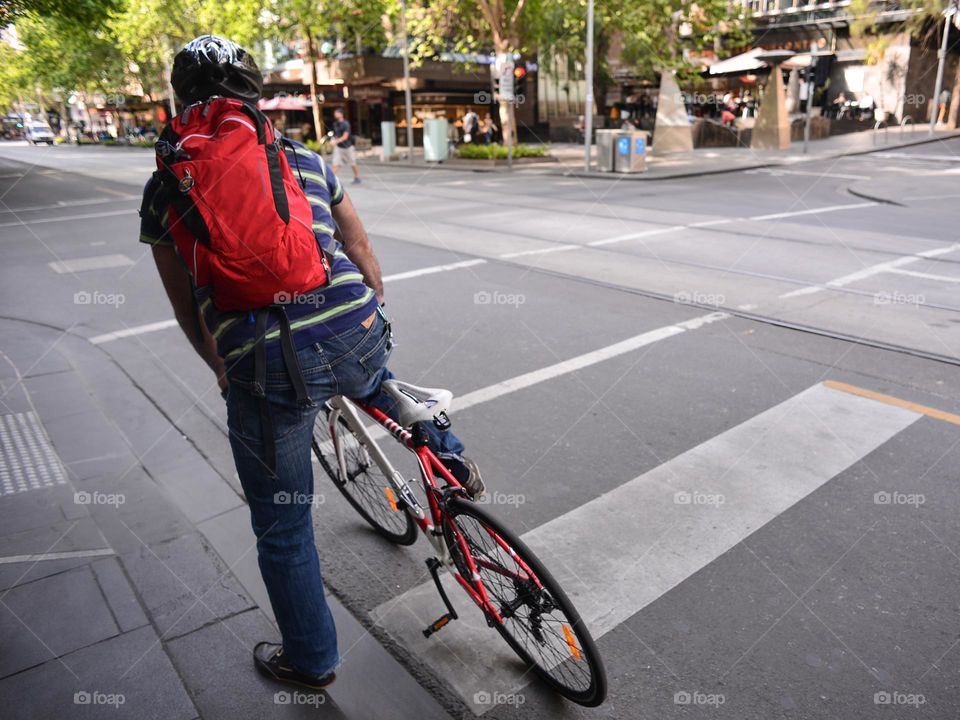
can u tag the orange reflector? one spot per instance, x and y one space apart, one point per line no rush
392 500
568 634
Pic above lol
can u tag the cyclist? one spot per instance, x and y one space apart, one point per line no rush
341 342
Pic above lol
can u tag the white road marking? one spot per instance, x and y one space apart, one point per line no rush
66 218
130 332
581 361
636 235
708 223
70 203
622 550
925 276
9 559
813 211
870 271
491 392
775 172
97 262
164 324
541 251
433 269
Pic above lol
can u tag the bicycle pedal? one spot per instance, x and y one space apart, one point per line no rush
438 624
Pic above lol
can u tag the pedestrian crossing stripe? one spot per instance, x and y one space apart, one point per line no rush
695 507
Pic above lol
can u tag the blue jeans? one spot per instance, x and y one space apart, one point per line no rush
352 364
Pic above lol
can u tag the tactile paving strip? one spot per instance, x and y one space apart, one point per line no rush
27 459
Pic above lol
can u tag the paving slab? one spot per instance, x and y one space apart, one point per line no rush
127 676
184 584
51 617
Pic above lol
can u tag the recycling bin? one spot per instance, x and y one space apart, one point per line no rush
435 145
631 151
606 140
388 131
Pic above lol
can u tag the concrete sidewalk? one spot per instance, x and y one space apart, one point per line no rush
128 578
567 158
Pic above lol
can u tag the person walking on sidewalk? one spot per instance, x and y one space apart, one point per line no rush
344 148
320 332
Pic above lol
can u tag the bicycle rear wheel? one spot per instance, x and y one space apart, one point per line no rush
539 622
365 486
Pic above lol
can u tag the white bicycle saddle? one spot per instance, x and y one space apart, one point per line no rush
418 404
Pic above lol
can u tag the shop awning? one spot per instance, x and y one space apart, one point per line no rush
285 102
747 62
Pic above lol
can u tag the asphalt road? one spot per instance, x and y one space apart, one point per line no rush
745 540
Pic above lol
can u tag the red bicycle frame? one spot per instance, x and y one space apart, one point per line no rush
430 467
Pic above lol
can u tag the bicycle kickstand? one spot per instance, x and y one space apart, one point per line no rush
434 566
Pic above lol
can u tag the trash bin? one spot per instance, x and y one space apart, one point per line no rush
606 139
435 146
631 151
388 131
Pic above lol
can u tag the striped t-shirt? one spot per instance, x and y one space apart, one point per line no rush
338 306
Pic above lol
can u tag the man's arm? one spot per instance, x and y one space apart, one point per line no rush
176 281
352 235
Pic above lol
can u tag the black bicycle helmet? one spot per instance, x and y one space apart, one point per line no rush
212 65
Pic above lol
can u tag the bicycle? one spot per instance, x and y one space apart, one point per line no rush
500 575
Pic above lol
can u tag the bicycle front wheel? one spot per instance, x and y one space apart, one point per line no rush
365 486
539 622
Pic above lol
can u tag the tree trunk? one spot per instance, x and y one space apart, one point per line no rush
314 91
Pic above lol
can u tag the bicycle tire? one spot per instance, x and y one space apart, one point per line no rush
577 638
365 488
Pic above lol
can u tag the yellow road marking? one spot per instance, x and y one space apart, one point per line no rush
890 400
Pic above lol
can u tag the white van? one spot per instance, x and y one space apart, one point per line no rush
37 133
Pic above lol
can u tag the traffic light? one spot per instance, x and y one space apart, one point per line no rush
520 82
821 71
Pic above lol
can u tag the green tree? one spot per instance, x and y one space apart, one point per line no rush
87 12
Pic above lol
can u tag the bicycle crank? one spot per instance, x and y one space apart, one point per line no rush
433 565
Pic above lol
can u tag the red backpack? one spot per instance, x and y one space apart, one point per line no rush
238 217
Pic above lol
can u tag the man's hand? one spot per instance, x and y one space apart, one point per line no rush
356 245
